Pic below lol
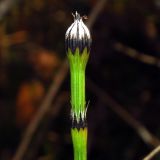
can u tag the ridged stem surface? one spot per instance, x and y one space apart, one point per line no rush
79 138
77 62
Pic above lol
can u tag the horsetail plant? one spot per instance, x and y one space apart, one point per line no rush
78 41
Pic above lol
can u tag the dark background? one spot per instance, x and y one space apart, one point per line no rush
32 51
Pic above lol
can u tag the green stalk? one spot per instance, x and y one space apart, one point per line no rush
79 138
77 70
78 63
78 41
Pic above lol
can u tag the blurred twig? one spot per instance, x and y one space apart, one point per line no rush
39 137
145 135
59 78
41 112
151 60
95 12
152 153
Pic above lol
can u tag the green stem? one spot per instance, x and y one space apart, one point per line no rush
78 90
78 41
79 138
77 69
78 63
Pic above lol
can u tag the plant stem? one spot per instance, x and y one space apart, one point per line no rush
77 69
79 138
78 63
78 41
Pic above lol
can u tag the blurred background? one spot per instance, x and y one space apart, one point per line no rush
123 79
